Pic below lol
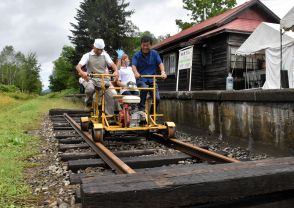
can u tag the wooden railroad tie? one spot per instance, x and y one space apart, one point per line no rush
188 186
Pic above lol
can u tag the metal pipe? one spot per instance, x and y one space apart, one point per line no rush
154 98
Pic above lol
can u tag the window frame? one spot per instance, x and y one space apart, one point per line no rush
170 63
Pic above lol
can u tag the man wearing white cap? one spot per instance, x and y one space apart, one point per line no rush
96 62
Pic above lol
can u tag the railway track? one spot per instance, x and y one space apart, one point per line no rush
136 172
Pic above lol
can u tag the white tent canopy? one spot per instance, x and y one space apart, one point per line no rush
266 37
287 22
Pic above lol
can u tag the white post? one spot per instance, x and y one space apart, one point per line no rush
190 80
177 86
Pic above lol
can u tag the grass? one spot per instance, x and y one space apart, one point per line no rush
18 114
62 93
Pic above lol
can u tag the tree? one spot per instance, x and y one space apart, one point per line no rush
162 37
203 9
8 65
134 42
20 70
106 19
31 74
64 76
184 25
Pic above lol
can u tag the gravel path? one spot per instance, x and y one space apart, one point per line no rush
49 179
222 147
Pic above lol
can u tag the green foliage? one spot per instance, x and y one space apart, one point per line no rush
14 92
16 146
184 25
204 9
162 37
107 19
8 88
21 96
63 75
62 93
134 43
93 21
20 70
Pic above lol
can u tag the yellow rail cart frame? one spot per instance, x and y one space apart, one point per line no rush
99 121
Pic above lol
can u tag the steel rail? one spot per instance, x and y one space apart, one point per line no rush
106 155
195 151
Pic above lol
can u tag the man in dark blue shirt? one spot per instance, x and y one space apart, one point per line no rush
147 62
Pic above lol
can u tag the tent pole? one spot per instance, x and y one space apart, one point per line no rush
281 56
247 84
253 68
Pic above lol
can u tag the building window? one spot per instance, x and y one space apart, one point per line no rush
248 71
166 62
170 63
253 62
237 62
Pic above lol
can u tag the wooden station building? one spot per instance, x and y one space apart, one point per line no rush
214 43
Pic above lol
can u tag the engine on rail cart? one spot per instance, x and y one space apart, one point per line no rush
130 116
129 119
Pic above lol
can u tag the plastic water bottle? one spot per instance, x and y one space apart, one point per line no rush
230 82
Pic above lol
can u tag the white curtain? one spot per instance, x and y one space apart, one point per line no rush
273 66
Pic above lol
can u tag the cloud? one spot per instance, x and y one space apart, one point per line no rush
158 17
37 26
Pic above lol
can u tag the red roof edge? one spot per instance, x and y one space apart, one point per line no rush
211 23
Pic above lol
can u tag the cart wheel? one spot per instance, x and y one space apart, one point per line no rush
170 130
97 135
85 125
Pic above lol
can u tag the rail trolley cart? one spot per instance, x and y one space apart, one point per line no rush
129 119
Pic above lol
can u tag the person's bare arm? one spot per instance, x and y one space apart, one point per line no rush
114 67
162 71
136 73
83 74
115 72
118 64
121 84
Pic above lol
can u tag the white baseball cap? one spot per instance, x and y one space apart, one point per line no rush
99 43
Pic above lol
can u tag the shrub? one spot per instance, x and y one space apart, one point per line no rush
8 88
62 93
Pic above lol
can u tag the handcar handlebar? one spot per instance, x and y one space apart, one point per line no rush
111 75
100 75
152 76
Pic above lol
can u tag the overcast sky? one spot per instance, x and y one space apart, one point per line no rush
43 26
